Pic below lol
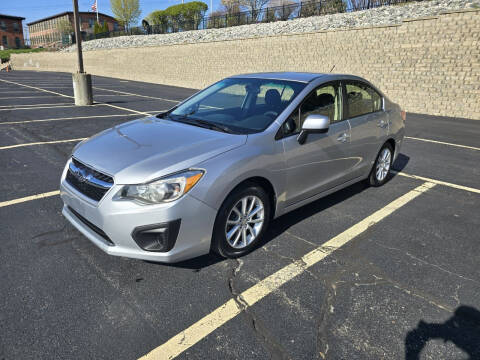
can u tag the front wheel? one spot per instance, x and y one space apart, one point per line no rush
241 221
381 168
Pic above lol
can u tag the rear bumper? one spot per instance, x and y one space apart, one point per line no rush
117 220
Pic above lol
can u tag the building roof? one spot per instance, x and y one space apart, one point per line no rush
69 13
12 17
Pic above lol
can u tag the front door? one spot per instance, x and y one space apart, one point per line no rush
323 161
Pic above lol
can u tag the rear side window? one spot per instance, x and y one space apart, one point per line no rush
361 99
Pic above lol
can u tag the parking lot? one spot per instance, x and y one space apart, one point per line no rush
365 273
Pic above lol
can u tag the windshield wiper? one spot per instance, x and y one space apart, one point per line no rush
203 123
213 126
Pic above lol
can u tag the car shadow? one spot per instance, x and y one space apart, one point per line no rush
400 162
284 222
462 329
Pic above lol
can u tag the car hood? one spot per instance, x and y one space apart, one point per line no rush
143 150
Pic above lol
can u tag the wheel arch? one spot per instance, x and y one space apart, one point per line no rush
392 143
265 184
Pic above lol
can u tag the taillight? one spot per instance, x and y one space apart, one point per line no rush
403 114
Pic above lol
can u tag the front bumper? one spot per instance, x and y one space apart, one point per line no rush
117 220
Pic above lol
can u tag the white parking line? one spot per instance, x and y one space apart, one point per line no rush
119 95
64 118
30 97
27 97
31 105
36 88
71 97
17 91
46 107
29 198
205 326
443 143
438 182
132 94
39 143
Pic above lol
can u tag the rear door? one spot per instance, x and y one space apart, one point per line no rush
368 123
323 161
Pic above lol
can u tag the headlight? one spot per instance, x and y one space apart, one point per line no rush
166 189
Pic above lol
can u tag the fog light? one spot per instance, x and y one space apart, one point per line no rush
157 237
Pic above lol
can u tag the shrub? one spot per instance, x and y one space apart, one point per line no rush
96 28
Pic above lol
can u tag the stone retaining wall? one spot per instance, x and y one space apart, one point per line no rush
429 65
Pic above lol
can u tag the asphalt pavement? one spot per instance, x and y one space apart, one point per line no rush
405 287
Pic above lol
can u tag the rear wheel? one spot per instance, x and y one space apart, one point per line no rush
381 168
241 221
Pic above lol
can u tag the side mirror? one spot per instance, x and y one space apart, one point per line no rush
317 124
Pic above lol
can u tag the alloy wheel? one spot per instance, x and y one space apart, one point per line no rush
383 164
245 222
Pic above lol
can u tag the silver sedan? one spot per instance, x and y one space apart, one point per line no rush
212 172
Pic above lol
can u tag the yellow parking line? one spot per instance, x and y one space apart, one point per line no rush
443 143
64 118
132 94
438 182
205 326
39 143
29 198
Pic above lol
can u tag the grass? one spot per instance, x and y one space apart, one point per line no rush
5 54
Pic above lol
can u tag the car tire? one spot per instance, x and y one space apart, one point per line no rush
230 243
381 168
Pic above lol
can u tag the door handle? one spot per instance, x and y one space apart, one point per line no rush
343 137
382 123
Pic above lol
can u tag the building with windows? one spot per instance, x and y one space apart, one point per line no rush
49 31
11 31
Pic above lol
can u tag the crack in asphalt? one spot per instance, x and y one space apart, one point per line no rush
125 294
325 311
47 242
51 232
429 264
276 350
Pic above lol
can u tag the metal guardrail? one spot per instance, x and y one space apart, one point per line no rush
265 15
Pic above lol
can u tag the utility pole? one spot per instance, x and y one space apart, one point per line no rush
82 82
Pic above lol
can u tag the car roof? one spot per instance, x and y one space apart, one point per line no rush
292 76
304 77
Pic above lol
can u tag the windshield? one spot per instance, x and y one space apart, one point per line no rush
238 105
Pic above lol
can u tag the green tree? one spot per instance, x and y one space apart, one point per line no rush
126 12
97 28
179 17
65 27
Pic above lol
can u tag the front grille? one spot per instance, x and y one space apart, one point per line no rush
88 181
92 227
98 175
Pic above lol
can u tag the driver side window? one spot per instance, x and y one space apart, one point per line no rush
325 100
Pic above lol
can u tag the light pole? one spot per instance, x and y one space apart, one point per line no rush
82 82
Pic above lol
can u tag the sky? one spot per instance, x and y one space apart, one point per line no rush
33 10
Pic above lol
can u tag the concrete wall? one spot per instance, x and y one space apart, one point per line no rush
429 65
